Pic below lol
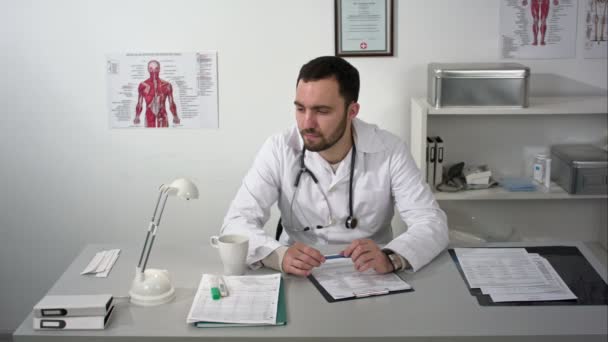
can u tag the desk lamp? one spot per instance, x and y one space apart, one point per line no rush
153 286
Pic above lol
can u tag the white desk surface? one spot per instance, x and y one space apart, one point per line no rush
440 308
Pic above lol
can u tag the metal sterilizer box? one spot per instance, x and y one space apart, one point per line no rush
580 169
478 84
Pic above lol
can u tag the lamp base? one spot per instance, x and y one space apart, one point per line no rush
152 287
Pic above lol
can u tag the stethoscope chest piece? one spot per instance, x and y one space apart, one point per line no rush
351 222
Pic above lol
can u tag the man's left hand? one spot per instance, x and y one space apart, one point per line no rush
366 254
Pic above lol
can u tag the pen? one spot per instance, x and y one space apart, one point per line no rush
215 291
223 287
334 256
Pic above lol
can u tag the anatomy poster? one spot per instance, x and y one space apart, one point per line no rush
162 90
595 28
538 28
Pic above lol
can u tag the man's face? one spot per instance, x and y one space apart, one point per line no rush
320 113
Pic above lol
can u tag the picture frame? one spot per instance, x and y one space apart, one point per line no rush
364 28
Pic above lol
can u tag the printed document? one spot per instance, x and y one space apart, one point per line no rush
512 275
252 299
340 279
498 267
554 289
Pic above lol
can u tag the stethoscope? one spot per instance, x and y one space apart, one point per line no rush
351 221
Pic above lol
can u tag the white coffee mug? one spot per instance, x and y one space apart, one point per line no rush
233 252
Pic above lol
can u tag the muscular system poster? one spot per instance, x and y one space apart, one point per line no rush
595 28
538 28
162 90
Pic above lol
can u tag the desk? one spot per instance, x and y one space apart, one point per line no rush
440 308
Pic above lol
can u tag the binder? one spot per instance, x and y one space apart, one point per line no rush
73 323
430 160
572 267
281 316
439 153
73 305
328 297
390 284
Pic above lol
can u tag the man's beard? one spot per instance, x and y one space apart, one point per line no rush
323 143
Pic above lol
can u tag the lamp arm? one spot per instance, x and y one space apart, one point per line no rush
155 225
141 256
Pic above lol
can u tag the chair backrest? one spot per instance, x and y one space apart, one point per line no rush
279 230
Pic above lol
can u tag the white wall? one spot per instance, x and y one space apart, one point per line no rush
68 180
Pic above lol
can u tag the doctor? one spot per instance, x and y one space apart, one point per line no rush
337 180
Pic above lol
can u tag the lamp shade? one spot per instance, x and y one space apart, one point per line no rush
183 188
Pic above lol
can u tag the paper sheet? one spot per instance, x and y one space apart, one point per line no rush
341 280
252 299
555 289
485 267
102 263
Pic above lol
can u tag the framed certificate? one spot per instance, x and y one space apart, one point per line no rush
364 28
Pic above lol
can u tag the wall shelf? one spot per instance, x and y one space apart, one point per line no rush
499 193
567 105
509 135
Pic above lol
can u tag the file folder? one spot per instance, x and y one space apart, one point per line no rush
281 316
73 323
438 167
430 160
73 305
572 267
363 294
354 285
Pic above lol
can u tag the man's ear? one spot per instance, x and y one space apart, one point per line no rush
353 110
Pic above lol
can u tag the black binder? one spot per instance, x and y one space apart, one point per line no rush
331 299
572 267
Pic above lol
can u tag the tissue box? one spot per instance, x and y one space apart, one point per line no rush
478 84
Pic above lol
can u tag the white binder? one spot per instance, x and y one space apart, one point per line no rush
73 323
73 305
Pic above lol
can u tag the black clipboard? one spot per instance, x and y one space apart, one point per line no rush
572 267
331 299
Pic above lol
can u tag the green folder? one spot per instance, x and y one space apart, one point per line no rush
281 316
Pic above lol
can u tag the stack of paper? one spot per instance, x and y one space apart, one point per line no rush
252 301
512 275
102 263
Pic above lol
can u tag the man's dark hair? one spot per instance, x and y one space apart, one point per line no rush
331 66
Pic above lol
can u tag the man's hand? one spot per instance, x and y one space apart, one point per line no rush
136 120
176 119
366 254
300 259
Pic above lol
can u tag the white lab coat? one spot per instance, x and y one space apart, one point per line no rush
385 177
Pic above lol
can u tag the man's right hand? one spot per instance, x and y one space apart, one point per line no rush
136 120
300 259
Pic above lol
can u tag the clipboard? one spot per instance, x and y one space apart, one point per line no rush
363 293
572 267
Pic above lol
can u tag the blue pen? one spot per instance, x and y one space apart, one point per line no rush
334 256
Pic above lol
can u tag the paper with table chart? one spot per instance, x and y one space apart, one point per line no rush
339 278
252 299
512 275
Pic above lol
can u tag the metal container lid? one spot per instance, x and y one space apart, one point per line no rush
479 70
581 156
